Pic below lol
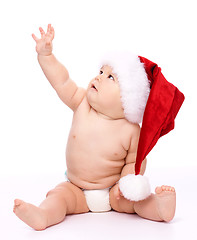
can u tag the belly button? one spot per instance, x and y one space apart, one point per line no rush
74 136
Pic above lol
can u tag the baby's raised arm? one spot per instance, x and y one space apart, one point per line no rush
55 72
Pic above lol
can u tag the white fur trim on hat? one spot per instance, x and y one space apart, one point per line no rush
133 81
134 187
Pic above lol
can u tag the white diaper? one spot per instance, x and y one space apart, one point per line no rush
98 200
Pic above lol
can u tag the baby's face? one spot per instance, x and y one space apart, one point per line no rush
103 94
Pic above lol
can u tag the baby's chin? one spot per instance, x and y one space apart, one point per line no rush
94 107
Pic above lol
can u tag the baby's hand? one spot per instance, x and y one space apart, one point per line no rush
44 45
117 192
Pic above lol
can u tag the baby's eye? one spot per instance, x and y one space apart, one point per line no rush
111 77
101 72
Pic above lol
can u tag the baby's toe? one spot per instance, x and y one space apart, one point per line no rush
164 188
158 190
167 188
17 202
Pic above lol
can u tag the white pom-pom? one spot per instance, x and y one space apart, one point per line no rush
135 187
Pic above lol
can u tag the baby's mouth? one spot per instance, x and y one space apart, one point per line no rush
93 86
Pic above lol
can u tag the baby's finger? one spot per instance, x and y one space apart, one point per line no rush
121 193
34 37
49 28
117 192
52 32
42 32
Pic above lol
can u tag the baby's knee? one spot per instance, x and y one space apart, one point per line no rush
65 193
62 190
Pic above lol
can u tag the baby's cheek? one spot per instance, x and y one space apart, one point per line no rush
111 101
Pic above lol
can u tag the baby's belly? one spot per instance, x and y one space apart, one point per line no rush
87 184
93 172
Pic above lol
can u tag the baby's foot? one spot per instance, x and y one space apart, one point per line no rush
33 216
166 202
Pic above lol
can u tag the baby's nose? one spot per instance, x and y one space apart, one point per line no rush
99 78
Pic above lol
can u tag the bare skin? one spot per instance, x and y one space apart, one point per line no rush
101 148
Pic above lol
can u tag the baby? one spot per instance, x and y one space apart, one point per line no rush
101 149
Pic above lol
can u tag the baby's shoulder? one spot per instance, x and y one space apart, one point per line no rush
131 128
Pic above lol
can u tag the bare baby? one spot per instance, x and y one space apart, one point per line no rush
101 149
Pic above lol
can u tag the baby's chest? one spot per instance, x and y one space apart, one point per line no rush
99 139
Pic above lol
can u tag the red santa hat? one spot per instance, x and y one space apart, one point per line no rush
148 97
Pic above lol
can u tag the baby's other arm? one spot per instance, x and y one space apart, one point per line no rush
129 167
130 160
55 72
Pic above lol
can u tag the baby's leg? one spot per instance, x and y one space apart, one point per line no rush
65 199
158 207
122 204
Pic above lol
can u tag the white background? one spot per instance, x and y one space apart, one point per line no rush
34 123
